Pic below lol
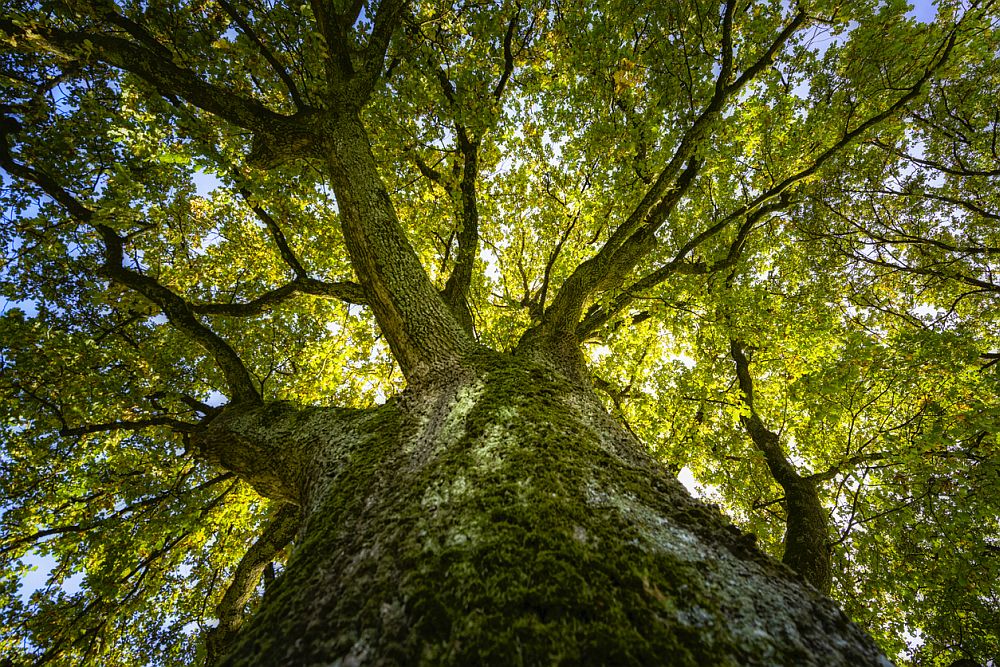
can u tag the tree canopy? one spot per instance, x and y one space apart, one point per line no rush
772 228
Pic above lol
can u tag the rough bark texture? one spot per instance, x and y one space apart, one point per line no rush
419 327
506 519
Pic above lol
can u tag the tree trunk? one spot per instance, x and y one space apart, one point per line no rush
504 518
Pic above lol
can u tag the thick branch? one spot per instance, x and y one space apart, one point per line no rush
635 237
150 65
766 440
261 304
387 19
846 464
180 315
423 333
277 138
508 56
430 172
608 267
130 425
767 58
598 316
138 31
456 290
348 292
248 30
273 447
726 68
806 548
231 610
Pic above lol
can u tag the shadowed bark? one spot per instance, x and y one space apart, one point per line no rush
807 549
231 610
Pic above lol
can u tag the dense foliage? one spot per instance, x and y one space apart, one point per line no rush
823 186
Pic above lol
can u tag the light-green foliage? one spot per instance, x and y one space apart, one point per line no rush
868 297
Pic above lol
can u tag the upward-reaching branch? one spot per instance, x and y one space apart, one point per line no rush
352 72
456 290
457 287
388 17
266 52
508 56
599 315
651 211
635 237
468 140
806 544
424 335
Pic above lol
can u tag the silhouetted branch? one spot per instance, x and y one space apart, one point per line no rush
177 310
248 30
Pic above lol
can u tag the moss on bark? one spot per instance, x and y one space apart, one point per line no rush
496 523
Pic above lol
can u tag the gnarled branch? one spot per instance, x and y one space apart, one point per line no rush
180 315
177 310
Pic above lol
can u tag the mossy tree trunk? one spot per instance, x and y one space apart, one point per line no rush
504 518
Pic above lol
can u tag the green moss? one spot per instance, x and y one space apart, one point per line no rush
527 590
276 621
492 525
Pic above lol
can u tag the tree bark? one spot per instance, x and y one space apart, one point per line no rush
421 330
505 518
807 544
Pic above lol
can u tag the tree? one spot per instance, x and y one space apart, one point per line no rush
376 332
